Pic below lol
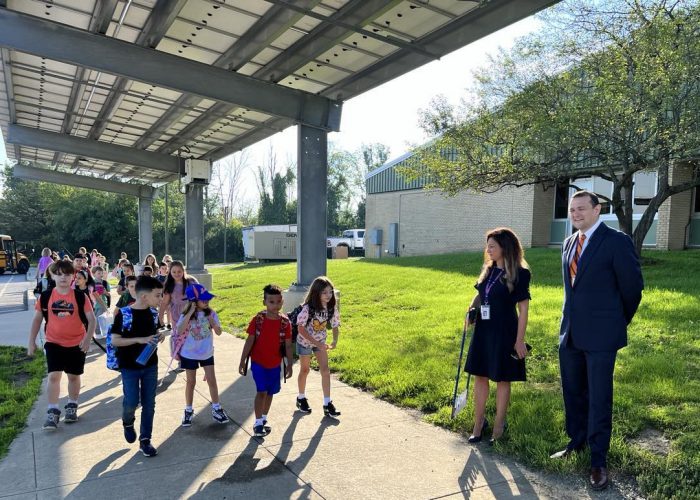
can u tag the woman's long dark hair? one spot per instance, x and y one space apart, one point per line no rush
313 296
513 256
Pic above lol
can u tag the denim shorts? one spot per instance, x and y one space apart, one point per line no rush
193 364
305 351
266 379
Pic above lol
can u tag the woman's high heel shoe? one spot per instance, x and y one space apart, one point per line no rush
477 439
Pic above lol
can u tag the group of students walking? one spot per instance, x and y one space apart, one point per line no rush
602 290
150 307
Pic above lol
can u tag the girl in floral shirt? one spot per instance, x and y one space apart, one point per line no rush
319 310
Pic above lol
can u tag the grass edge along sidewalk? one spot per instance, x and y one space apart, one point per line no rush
20 385
400 334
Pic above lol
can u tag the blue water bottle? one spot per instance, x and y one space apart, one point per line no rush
147 352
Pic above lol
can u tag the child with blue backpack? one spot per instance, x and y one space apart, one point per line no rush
135 326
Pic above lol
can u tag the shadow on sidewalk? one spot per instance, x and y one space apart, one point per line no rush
245 469
479 466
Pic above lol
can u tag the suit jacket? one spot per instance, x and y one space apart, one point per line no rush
605 294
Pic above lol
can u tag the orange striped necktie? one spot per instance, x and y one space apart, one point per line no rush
573 267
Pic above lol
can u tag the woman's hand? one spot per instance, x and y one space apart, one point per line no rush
468 317
520 349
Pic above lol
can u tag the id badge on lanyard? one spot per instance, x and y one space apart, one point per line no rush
486 308
486 312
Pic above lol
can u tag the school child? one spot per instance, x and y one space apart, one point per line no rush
80 264
162 272
196 324
127 270
174 299
147 271
81 284
117 271
100 298
43 265
269 334
128 297
139 381
70 325
167 259
150 260
319 309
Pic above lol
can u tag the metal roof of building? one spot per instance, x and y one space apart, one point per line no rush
119 88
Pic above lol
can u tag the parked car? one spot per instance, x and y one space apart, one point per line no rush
353 239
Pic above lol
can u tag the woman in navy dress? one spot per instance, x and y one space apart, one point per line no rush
497 350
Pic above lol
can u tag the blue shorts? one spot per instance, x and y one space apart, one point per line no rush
305 351
266 379
193 364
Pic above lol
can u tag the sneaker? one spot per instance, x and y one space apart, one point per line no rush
330 411
267 428
129 433
219 416
303 405
99 336
52 416
259 431
71 413
147 449
187 418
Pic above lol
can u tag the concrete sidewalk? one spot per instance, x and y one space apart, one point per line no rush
374 450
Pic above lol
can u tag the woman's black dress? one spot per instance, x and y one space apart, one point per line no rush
494 339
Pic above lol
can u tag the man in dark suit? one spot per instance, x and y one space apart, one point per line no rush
602 289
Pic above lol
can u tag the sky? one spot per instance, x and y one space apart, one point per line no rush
388 114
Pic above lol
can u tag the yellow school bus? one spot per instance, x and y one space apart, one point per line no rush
11 260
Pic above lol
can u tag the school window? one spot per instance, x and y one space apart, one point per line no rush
644 189
561 201
604 188
697 200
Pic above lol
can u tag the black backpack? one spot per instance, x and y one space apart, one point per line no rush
292 315
79 299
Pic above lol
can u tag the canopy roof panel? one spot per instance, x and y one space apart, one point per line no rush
206 78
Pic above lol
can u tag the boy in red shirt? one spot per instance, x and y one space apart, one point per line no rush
269 334
70 325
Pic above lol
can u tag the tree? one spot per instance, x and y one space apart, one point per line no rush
605 88
227 177
340 164
273 186
373 156
24 215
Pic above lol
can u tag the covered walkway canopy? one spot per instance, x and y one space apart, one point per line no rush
116 94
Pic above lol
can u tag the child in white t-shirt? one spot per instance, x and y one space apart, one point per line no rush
194 345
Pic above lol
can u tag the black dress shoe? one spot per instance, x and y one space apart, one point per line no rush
599 478
477 439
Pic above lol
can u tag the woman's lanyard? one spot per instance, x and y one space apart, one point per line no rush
493 277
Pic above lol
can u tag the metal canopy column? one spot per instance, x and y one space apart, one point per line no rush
194 233
145 227
312 194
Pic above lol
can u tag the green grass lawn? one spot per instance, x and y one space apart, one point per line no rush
20 383
401 332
